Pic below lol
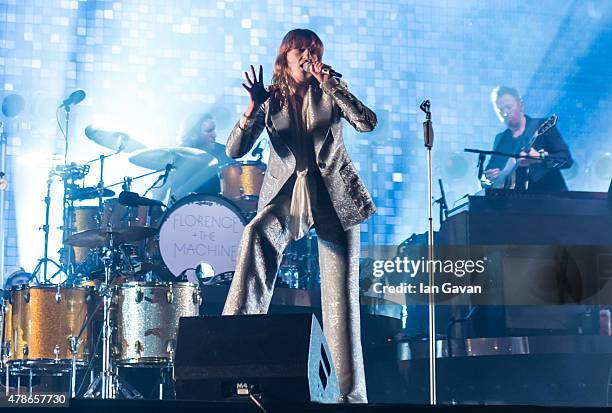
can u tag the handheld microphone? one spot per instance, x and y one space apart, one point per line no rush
428 132
75 98
425 108
327 70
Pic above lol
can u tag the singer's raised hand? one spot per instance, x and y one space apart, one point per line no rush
256 89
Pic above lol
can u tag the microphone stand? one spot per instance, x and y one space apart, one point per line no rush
67 204
428 135
164 177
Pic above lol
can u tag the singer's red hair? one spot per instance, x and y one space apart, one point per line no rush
282 82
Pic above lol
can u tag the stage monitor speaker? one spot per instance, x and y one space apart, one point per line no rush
282 357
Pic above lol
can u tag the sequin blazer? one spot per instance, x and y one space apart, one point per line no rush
327 103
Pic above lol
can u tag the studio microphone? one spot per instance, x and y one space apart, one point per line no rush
169 168
75 98
327 70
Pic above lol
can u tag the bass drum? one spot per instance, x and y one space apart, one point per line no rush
201 229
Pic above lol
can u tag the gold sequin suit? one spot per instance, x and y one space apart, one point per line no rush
340 202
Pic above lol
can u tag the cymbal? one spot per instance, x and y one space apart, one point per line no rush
90 192
92 238
158 158
118 141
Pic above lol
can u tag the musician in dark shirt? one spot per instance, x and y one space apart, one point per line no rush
195 174
531 174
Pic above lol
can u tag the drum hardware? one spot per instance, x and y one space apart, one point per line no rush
108 381
71 216
22 355
127 181
46 229
73 174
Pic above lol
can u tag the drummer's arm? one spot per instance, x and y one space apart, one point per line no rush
245 133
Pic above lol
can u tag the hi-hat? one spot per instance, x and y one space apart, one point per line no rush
93 238
158 158
115 140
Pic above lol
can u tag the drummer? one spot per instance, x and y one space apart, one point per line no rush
195 175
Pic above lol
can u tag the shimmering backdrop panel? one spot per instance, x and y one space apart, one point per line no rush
147 65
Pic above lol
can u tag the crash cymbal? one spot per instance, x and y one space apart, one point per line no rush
92 238
158 158
90 192
115 140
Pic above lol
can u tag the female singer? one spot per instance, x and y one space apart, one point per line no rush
310 180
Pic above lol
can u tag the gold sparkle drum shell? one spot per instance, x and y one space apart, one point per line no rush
241 182
83 218
147 316
44 319
5 326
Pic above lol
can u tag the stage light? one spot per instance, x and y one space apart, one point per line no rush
38 160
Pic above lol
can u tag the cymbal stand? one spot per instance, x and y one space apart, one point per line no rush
75 341
100 187
123 181
43 262
46 226
109 381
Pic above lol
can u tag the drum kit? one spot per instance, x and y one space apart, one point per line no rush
133 267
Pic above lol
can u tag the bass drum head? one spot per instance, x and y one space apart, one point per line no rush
201 229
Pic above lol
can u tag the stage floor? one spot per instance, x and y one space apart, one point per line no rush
152 406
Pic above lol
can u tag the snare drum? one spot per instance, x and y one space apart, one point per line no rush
241 182
44 319
147 316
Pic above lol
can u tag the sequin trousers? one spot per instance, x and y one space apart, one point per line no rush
259 256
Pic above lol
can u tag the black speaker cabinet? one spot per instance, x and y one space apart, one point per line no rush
282 357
